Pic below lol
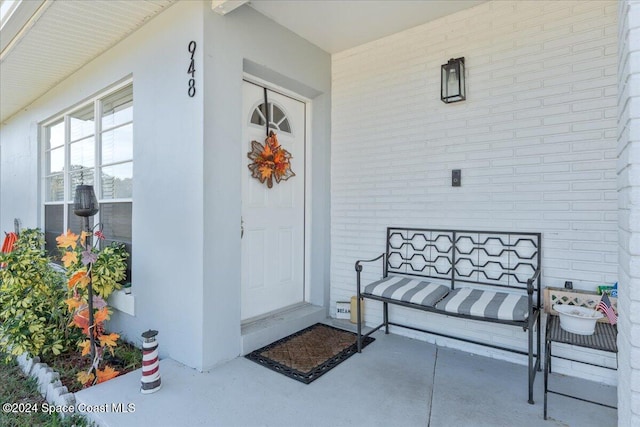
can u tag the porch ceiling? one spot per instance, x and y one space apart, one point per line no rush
335 26
44 42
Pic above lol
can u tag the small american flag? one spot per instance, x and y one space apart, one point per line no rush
605 307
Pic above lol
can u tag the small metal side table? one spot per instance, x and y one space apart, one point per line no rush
604 339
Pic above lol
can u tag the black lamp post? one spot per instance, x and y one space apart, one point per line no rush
85 205
452 84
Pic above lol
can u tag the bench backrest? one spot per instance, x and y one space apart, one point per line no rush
495 258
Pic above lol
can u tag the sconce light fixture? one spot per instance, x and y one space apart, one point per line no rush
452 85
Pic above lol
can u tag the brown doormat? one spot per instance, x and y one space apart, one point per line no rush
310 353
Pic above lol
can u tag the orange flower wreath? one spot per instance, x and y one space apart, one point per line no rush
270 161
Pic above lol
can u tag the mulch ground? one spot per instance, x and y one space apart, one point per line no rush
69 364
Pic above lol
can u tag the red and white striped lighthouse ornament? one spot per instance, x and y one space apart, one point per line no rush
150 364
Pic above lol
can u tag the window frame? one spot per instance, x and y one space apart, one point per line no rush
273 125
65 117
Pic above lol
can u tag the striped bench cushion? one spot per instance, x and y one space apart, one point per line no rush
488 304
408 290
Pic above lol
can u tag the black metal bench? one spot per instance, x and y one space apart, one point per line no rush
500 272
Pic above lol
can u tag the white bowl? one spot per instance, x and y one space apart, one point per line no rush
577 320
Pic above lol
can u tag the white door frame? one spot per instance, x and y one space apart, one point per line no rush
307 171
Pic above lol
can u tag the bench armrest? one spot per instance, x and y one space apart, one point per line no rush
530 291
359 269
530 287
360 261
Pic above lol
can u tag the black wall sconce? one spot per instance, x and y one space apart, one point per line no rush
452 84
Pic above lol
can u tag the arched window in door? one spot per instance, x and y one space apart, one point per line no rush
278 118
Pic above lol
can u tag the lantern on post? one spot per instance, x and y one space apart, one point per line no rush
85 205
452 84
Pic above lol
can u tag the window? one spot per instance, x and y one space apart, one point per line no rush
279 120
91 144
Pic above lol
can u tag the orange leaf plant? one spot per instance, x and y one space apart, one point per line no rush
79 258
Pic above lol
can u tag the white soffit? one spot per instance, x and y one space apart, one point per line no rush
58 39
43 45
222 7
335 26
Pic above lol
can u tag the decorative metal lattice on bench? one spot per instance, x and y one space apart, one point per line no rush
500 272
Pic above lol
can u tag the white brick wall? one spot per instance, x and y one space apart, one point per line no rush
536 142
629 205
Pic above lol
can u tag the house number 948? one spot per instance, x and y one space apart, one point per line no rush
192 70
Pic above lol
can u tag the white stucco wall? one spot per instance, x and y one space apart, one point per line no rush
247 42
187 165
535 139
167 188
629 204
18 171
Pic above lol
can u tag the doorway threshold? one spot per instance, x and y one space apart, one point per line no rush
260 331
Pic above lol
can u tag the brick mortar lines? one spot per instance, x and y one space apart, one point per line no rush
536 138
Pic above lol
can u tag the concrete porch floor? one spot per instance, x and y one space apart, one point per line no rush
395 381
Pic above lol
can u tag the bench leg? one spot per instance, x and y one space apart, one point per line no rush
385 312
539 352
532 368
547 369
358 303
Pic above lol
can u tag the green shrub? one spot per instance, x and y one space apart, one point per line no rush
33 313
109 269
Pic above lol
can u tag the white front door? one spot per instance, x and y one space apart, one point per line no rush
272 218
